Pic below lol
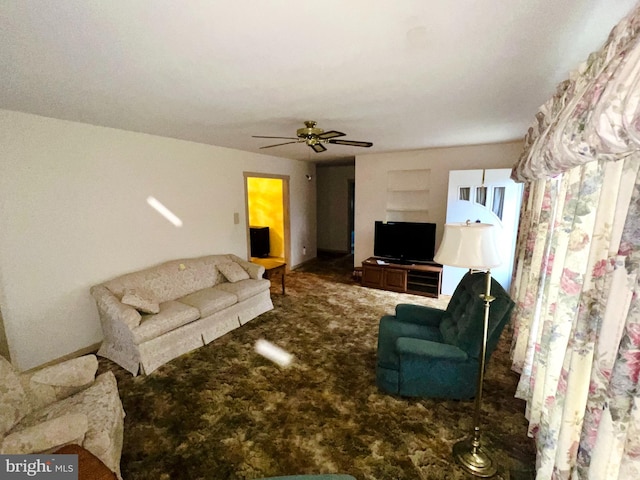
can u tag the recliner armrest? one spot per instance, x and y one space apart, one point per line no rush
47 436
55 382
419 314
427 348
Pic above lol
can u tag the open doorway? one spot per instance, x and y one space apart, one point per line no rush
267 214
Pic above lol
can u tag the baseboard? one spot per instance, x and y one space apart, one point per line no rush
78 353
303 263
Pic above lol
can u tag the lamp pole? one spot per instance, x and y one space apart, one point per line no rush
473 246
469 452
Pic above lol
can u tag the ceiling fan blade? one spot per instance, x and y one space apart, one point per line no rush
352 143
318 147
278 144
284 138
331 134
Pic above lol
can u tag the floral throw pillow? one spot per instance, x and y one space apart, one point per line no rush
233 272
140 300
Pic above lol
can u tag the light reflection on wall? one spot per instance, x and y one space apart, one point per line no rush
164 211
265 199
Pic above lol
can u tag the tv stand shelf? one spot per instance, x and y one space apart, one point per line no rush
419 279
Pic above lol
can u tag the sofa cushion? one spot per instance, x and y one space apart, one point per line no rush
141 300
13 401
233 272
171 316
209 300
245 288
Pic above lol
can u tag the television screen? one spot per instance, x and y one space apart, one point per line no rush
405 242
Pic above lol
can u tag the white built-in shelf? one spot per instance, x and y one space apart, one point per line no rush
408 195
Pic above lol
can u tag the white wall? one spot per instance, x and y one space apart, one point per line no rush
73 213
333 206
371 182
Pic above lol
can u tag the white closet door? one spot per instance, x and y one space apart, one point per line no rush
488 196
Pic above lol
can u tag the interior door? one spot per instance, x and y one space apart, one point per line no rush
488 196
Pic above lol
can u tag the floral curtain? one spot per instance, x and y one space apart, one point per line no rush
576 283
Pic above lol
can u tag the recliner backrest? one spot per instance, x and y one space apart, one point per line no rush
463 320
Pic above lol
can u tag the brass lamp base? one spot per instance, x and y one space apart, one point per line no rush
474 459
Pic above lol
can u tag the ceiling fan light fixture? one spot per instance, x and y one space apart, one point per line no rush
310 130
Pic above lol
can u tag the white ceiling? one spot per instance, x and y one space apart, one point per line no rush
404 75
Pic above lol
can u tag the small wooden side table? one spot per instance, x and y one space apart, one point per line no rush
90 467
272 268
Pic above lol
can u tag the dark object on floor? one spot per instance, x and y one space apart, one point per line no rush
357 274
428 352
89 466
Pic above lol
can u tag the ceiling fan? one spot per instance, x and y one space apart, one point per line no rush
315 138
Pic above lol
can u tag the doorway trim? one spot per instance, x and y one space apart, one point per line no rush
351 201
4 343
285 212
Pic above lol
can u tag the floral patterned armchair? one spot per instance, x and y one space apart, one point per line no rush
66 403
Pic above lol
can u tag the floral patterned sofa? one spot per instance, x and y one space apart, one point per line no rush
63 404
152 316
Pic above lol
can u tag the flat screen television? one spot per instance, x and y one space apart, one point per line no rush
405 242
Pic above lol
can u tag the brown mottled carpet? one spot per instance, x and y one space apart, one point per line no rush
224 412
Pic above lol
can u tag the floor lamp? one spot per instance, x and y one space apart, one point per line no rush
472 245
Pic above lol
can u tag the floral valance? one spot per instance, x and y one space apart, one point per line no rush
594 115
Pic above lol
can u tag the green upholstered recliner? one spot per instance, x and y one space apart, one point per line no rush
429 352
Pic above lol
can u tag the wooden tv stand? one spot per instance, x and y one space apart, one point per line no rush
418 279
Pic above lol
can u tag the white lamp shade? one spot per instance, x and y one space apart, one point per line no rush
469 245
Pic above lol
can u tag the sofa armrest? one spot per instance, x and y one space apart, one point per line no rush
426 348
112 309
53 383
419 314
254 270
47 436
